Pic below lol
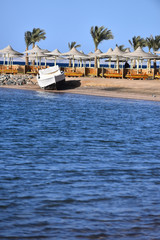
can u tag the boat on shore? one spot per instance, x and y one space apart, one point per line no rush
51 78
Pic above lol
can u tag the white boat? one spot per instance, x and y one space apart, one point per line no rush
51 78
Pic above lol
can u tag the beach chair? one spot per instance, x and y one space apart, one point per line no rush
73 74
137 76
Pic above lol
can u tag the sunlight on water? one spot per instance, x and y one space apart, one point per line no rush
46 94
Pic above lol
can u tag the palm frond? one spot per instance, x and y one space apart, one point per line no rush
73 44
27 38
137 41
37 35
77 46
121 47
156 43
69 45
99 34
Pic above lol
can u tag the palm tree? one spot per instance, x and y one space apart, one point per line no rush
137 41
121 47
155 47
153 43
28 42
157 42
70 46
37 35
150 42
73 44
99 34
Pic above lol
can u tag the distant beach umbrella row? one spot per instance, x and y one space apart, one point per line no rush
115 55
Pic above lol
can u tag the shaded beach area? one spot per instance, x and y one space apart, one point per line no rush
116 88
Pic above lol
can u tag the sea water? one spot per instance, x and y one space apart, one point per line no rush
66 64
78 167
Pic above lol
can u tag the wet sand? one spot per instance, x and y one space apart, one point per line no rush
116 88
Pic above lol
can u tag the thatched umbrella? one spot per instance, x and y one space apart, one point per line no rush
82 58
116 53
10 52
127 50
90 58
55 53
33 56
157 52
12 56
36 50
138 54
96 54
107 55
73 53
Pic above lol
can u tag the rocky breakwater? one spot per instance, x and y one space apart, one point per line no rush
9 79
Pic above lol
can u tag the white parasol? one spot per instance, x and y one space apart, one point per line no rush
96 54
138 54
55 53
107 55
9 52
73 53
116 53
36 50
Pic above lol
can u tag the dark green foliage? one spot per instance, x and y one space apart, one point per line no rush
73 44
137 42
99 34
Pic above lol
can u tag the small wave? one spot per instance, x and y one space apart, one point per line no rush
46 95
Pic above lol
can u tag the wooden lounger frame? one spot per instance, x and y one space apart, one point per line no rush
73 74
137 76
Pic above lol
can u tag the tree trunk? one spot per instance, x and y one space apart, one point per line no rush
154 68
95 62
69 62
134 63
33 62
95 59
26 61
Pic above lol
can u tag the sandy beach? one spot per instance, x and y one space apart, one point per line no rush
116 88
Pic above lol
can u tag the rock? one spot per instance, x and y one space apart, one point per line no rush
10 79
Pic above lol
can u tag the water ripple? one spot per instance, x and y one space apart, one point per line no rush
78 167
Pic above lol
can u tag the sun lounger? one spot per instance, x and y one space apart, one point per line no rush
112 75
32 73
8 71
137 76
73 74
157 76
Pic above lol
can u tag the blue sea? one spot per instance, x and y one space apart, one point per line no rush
78 167
63 64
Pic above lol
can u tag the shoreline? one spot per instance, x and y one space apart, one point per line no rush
148 90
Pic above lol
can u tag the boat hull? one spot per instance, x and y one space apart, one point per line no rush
52 78
55 86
